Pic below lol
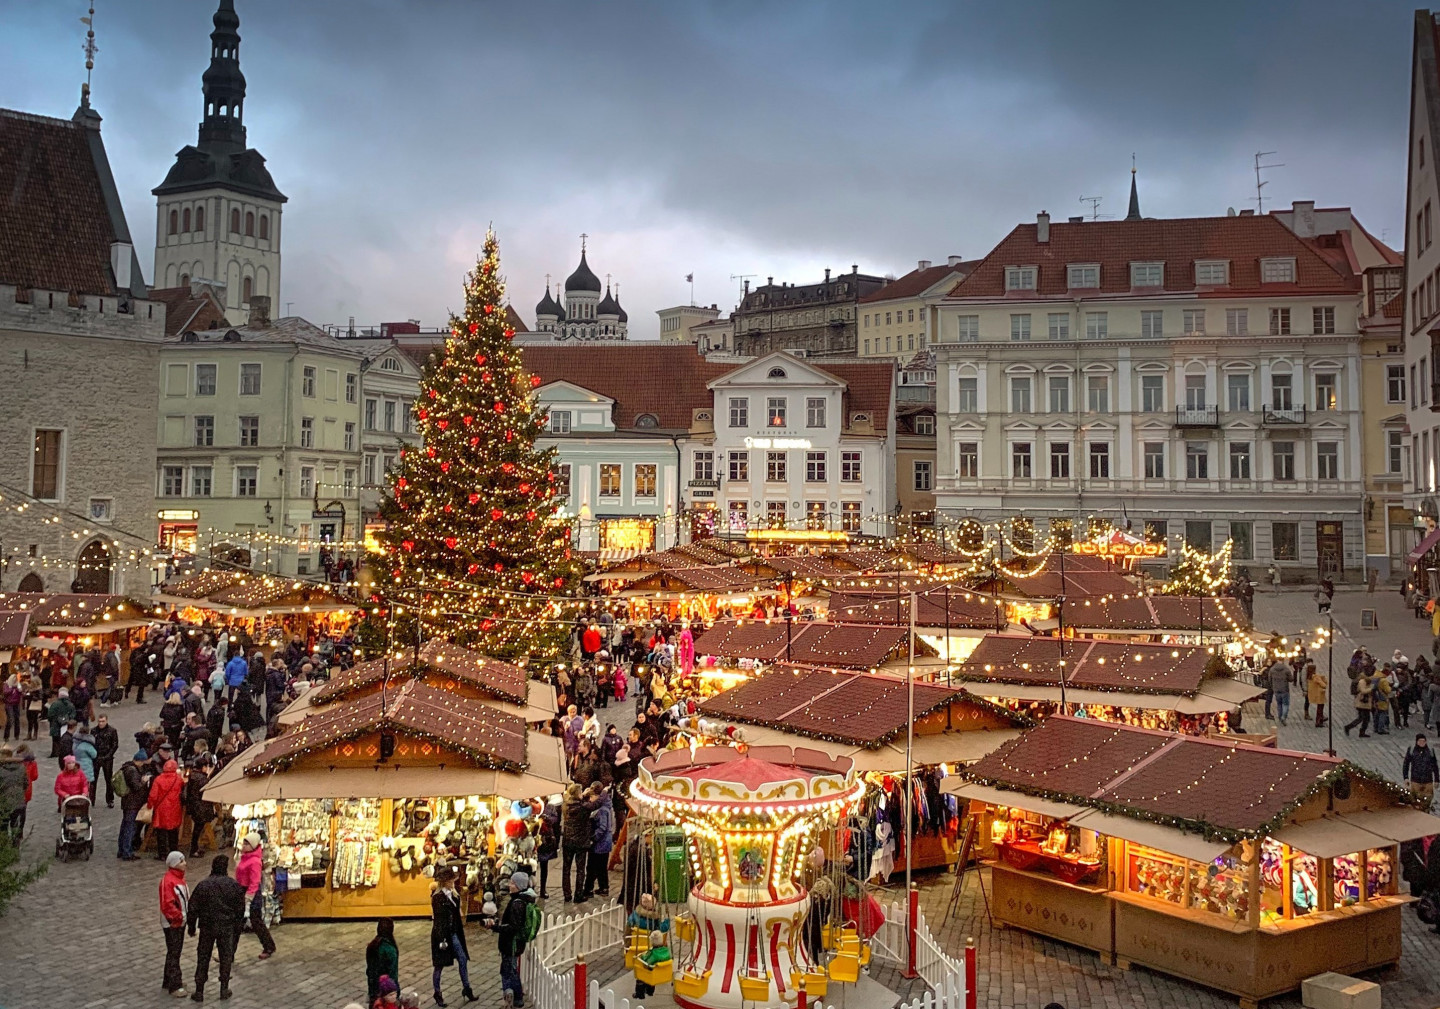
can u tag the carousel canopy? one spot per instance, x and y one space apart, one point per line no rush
849 646
1222 790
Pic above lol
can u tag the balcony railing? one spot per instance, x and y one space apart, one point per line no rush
1197 416
1282 414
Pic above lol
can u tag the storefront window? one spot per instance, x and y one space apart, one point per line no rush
1035 843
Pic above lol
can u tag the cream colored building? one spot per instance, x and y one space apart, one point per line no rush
259 443
893 319
1199 379
677 325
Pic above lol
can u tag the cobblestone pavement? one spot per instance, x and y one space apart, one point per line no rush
88 934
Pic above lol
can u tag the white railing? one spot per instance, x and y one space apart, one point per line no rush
949 996
942 972
564 939
607 999
889 941
545 988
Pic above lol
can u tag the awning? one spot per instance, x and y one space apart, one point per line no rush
544 776
1232 692
1002 797
1328 837
1153 835
1397 823
935 748
1413 557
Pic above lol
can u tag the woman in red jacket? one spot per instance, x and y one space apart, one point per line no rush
71 781
166 808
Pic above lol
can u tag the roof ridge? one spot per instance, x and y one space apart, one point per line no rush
32 117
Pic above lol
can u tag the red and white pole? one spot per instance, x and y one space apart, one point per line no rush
582 986
912 926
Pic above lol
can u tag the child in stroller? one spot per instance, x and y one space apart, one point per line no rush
77 837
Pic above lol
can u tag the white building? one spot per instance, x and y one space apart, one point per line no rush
1199 378
218 210
389 385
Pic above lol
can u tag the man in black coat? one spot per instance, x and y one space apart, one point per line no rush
107 743
217 907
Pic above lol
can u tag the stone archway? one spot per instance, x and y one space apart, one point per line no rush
32 583
94 568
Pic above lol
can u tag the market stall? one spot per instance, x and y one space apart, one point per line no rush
33 624
439 664
269 608
359 803
862 718
1244 868
1182 688
950 619
1166 619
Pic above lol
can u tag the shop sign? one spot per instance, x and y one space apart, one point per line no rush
705 483
177 515
1105 548
799 535
777 442
702 492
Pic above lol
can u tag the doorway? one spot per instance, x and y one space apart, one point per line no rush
93 569
1330 548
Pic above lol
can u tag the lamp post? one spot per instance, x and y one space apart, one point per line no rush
1330 684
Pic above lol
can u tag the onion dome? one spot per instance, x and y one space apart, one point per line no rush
548 306
608 306
582 279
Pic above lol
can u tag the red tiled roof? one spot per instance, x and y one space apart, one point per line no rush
55 230
917 282
868 388
1156 613
489 736
13 625
857 708
1177 242
186 311
1395 307
666 380
1234 788
1089 664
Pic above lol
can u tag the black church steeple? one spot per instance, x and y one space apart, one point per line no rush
224 84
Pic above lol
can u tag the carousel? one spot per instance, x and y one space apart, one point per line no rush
756 826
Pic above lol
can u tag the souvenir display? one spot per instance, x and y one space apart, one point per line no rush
304 836
357 845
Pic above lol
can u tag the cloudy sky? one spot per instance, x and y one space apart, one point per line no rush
726 138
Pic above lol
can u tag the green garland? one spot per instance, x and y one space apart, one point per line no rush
486 760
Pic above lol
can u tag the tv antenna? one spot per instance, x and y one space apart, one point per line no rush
742 277
1094 202
1261 183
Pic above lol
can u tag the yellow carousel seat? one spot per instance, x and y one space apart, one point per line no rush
845 967
657 974
817 982
691 984
755 986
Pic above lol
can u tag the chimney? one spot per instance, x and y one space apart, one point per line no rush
769 281
1077 220
855 268
196 286
924 264
747 287
1302 218
1042 226
827 274
120 253
259 311
954 261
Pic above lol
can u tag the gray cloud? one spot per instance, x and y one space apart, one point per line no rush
727 138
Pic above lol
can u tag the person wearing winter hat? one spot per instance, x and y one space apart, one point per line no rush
71 781
410 999
174 909
388 993
447 934
511 929
248 873
382 957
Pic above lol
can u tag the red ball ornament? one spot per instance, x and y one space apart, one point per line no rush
447 509
499 566
527 577
433 394
509 332
455 331
486 625
535 381
489 309
484 376
499 407
445 466
408 544
559 582
442 424
474 498
474 441
423 413
402 482
430 451
475 326
524 488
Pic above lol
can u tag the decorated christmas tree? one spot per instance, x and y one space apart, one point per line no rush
1199 573
473 545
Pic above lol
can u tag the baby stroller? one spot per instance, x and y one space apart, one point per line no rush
76 834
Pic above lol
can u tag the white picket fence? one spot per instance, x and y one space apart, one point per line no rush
549 961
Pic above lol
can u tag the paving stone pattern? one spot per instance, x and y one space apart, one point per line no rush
88 934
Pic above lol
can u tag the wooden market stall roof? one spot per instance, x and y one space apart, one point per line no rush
810 642
1153 614
70 612
878 607
701 553
241 591
487 736
1219 789
491 677
13 627
834 704
721 580
1084 578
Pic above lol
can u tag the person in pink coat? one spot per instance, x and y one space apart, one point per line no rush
71 781
248 873
686 654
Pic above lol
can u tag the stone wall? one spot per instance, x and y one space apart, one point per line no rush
92 373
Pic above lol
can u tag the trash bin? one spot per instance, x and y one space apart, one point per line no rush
671 874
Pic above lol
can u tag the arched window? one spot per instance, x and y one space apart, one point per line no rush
185 217
174 222
246 289
199 218
184 280
32 583
250 223
265 226
234 222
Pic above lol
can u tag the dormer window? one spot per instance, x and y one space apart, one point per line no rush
776 373
1020 278
1212 272
1147 274
1082 275
647 420
1277 271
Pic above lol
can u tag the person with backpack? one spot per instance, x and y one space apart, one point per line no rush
131 785
518 924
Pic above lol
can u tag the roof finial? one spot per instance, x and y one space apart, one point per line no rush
547 283
90 49
583 236
1133 214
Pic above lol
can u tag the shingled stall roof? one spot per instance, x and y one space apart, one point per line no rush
485 735
863 716
1084 578
847 646
1153 614
702 553
1221 790
64 612
726 580
879 607
240 592
13 629
1142 675
492 677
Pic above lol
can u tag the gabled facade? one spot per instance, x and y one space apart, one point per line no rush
1197 378
894 319
79 345
217 214
817 319
389 386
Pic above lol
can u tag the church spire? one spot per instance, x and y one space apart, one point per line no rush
1134 212
223 82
